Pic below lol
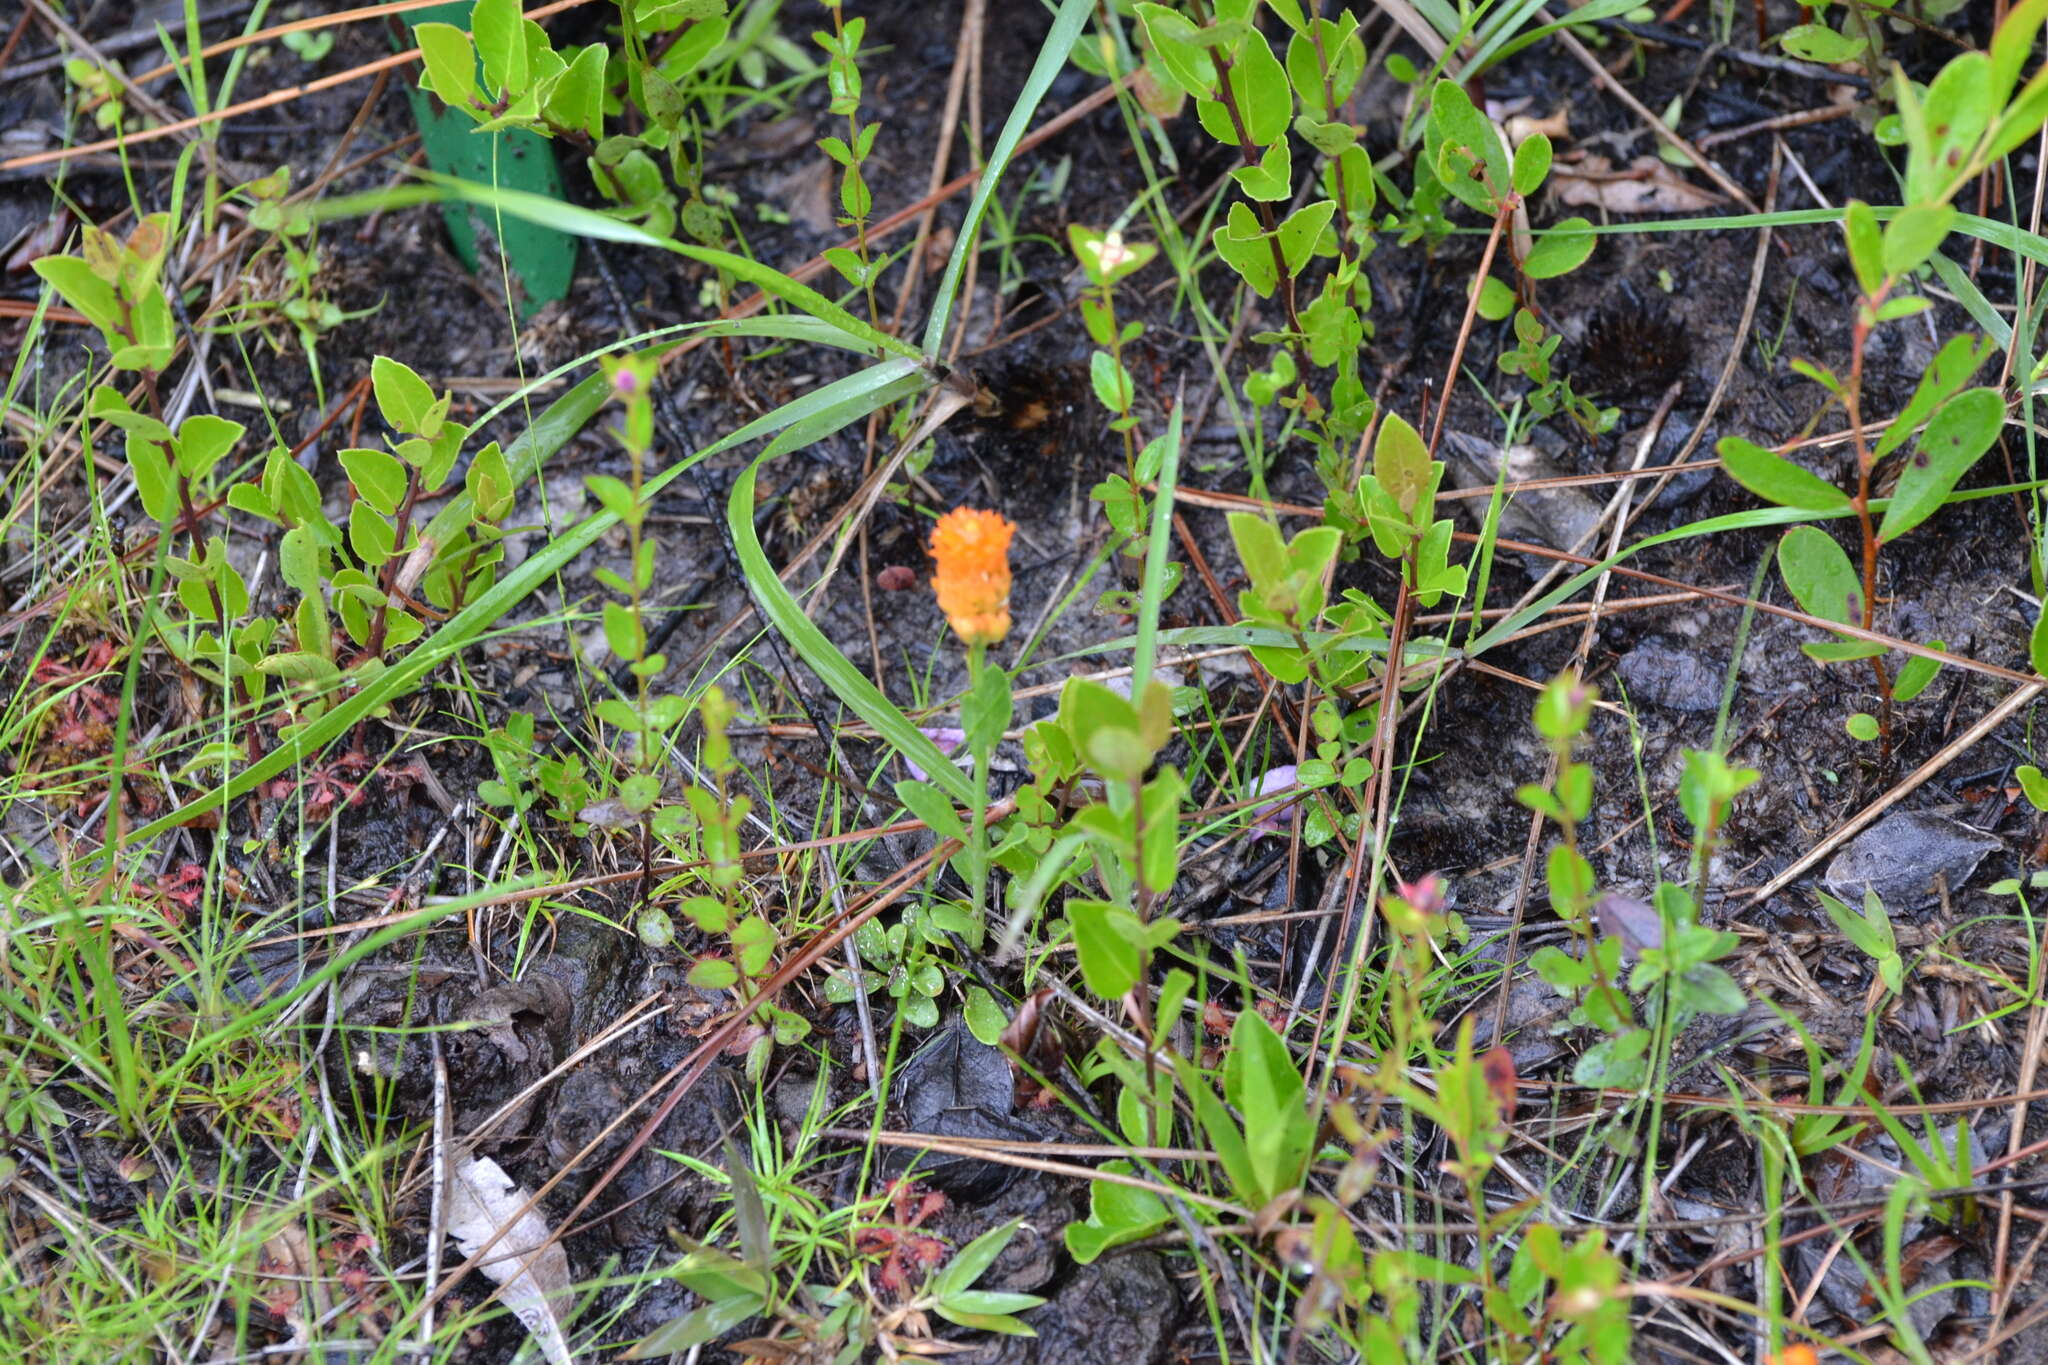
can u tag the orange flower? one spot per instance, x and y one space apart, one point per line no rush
971 549
1802 1354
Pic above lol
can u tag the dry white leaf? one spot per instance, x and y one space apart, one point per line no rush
1522 127
531 1268
1646 185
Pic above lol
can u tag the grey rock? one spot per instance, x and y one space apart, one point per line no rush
1658 672
1901 857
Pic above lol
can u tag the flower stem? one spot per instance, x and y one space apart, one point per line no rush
977 838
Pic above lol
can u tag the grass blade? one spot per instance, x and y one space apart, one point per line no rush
1052 58
846 682
538 208
1152 593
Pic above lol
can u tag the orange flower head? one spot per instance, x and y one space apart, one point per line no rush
971 553
1802 1354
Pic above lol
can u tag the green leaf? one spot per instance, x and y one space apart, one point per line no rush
1560 250
2037 643
1615 1062
299 561
985 1018
623 632
1272 179
1819 43
973 1260
698 42
300 667
1870 931
1260 546
1916 673
500 33
450 65
986 709
1001 1323
1173 39
713 974
1113 387
403 397
1818 574
575 99
1776 479
1245 248
1110 957
1466 151
1226 1139
153 481
203 440
1915 233
1496 299
1862 726
1260 1080
1162 453
1953 365
1259 89
1306 233
1117 1213
931 805
1841 651
85 291
1322 97
1570 878
1866 246
982 1306
613 494
1957 111
379 479
1401 463
1159 840
1532 164
369 535
1954 440
1708 990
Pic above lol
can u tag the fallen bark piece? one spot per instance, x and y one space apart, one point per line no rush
526 1262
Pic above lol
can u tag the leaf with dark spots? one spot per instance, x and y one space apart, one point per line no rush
1955 439
1818 574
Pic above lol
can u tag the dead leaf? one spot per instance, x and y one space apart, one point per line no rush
806 193
286 1275
1522 127
1635 922
1646 185
1159 100
526 1262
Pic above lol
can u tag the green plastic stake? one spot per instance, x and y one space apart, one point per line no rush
543 258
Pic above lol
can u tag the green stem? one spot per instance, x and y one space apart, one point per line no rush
977 838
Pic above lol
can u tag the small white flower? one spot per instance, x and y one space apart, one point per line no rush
1110 252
